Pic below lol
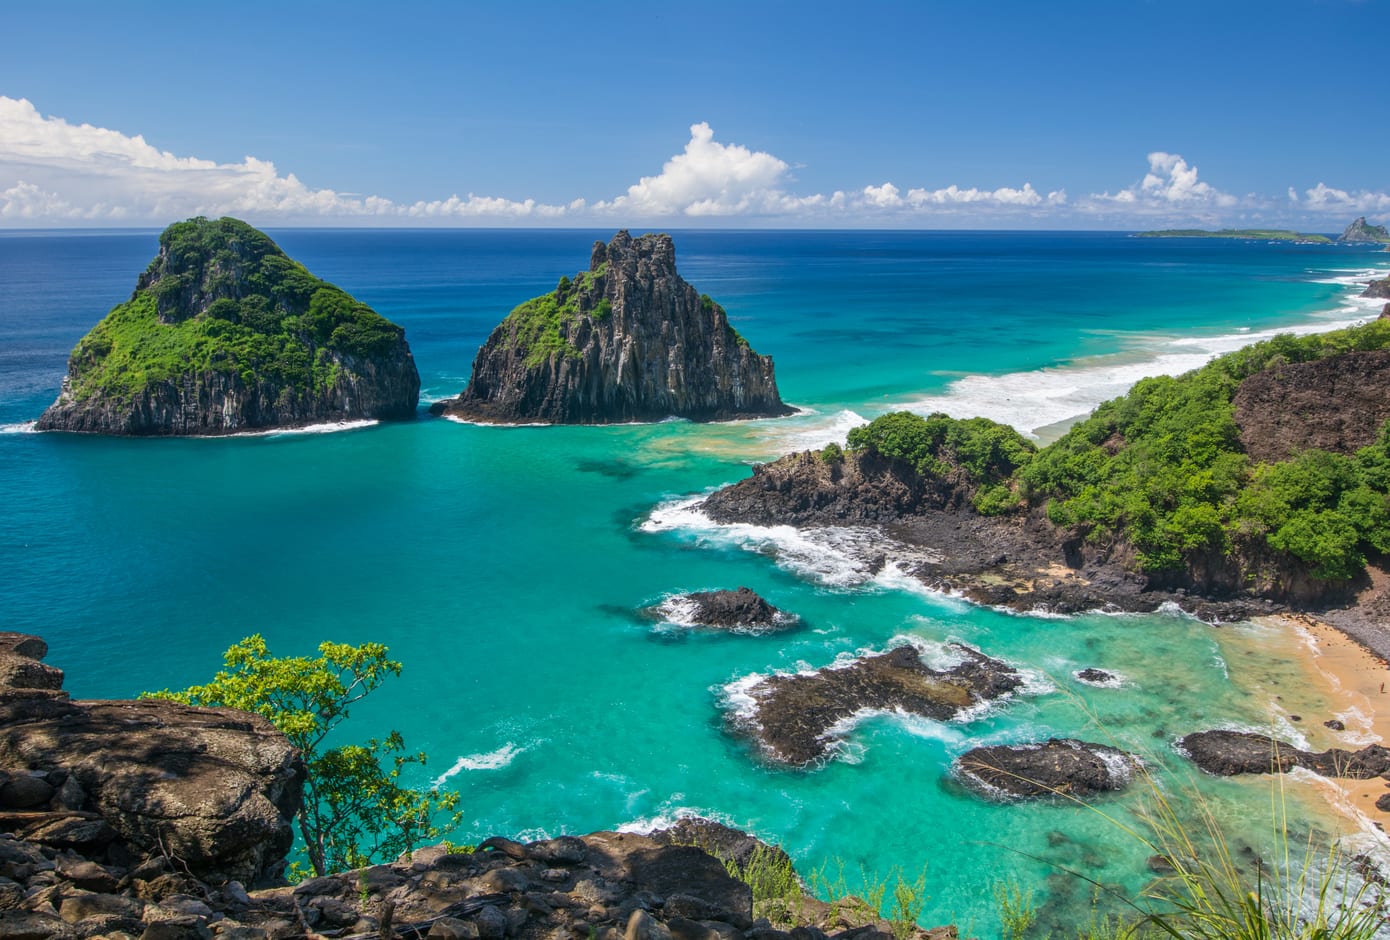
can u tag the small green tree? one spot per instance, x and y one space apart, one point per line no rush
355 811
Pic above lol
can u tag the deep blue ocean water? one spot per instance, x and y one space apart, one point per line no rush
504 566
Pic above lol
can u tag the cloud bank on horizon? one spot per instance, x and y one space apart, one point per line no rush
53 173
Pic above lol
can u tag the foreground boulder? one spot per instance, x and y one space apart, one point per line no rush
126 782
1055 767
792 717
226 334
1227 753
628 340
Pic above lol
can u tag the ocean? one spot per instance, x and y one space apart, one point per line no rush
507 568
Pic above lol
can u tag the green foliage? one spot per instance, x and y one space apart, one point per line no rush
223 298
1017 911
831 453
1163 468
987 451
777 892
1261 234
540 326
355 810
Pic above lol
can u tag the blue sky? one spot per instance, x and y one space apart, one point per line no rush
929 114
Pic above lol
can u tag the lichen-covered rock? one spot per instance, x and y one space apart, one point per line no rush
628 340
214 788
225 333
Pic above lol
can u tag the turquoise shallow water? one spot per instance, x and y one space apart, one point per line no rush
504 566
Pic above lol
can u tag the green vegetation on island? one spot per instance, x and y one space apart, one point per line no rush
540 326
222 296
1246 234
1162 469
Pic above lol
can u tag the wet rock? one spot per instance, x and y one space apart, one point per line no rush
1226 753
1335 724
1056 767
793 715
1094 676
741 608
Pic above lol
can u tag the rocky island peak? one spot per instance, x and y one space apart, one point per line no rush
226 333
627 340
1361 231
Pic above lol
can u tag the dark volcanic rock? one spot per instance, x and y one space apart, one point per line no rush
223 334
629 340
793 716
1226 753
1337 404
1094 676
741 608
1056 767
215 788
1380 288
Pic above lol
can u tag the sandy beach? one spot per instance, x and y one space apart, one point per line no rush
1356 682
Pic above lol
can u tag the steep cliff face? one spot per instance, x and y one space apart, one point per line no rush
628 340
225 333
1359 231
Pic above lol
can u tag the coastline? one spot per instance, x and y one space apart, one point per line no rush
1356 680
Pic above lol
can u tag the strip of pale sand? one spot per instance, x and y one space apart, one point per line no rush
1357 683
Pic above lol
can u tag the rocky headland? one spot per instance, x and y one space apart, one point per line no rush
160 821
1380 288
1292 429
225 334
627 340
1361 232
1061 767
793 718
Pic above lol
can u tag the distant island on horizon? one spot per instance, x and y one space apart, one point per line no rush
1262 234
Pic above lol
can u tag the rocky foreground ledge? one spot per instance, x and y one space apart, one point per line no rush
159 821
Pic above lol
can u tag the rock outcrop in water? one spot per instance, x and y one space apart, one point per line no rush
1360 232
628 340
1055 767
1227 753
1380 288
225 333
731 610
793 717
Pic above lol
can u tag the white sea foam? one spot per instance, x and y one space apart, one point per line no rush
669 813
835 556
811 430
492 760
23 427
1039 401
328 427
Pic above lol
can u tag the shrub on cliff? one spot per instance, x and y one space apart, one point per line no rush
355 810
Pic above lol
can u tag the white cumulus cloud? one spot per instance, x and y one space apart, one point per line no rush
707 178
1324 198
1170 189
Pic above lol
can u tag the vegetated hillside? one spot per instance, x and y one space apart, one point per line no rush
224 333
1261 472
627 340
